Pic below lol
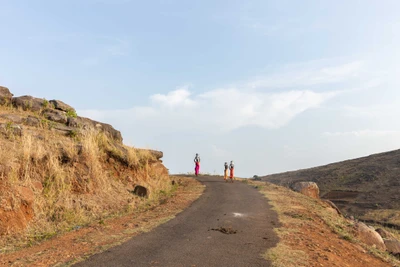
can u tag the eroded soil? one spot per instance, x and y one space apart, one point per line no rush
77 245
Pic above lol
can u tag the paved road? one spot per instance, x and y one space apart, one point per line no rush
188 239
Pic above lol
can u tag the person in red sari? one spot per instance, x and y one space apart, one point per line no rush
197 164
231 169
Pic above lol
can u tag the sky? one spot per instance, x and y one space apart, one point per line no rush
272 85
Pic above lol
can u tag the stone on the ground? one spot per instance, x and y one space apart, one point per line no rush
256 178
369 236
307 188
384 233
32 121
55 115
392 246
62 106
73 122
10 128
140 191
5 95
12 118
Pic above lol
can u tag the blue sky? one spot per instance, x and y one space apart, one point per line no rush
272 85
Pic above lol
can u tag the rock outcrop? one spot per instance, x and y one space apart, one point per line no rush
62 106
393 246
13 118
306 188
55 115
48 153
55 111
369 236
384 234
28 102
5 95
10 129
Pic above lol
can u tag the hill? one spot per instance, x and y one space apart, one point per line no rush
59 171
367 188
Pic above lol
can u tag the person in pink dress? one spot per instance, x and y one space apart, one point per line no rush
197 164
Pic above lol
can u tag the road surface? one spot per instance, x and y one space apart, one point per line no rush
196 236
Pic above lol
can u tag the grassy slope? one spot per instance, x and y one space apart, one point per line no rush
313 234
373 181
51 183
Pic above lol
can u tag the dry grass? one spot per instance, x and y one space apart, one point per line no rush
292 257
307 225
75 246
384 216
73 180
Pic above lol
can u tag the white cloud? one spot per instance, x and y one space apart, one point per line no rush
243 104
177 98
219 110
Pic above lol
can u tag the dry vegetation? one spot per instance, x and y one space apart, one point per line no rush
51 183
313 234
78 245
385 217
366 188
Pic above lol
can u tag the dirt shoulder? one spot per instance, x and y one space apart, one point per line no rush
313 234
81 243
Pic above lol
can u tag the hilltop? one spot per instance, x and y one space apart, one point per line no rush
367 188
59 171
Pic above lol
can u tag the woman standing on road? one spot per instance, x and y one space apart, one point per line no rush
197 164
226 171
231 168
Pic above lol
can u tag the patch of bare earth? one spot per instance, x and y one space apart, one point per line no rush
313 234
79 244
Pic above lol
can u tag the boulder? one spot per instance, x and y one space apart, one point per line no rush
32 121
157 154
88 124
110 131
73 122
5 95
306 188
63 129
392 246
28 102
12 118
384 233
140 191
62 106
369 236
10 129
55 115
256 178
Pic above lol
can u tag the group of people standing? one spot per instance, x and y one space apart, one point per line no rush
227 167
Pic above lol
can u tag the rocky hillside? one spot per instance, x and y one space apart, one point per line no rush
367 187
59 171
